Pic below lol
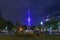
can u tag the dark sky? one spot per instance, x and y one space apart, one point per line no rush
18 9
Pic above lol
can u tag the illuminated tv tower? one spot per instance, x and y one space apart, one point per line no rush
28 27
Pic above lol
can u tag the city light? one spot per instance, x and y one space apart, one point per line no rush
41 23
28 18
20 29
47 19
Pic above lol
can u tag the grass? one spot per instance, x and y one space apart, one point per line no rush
41 37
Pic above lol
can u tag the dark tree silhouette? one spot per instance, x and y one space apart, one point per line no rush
9 25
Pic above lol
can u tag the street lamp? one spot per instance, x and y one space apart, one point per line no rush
41 23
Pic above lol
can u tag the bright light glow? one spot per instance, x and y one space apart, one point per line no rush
6 28
20 29
47 19
41 23
28 18
28 21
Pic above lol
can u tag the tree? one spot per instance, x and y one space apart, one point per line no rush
9 25
52 24
2 23
33 27
25 27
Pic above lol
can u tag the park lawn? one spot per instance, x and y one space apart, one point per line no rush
41 37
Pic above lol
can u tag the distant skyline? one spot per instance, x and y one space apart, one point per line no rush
18 9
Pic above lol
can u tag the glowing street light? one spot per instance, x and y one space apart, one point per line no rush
20 29
41 23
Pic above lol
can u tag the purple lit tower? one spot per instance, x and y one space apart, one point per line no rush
28 27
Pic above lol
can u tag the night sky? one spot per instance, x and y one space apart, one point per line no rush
18 9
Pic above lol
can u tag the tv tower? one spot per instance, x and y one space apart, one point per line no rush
28 27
